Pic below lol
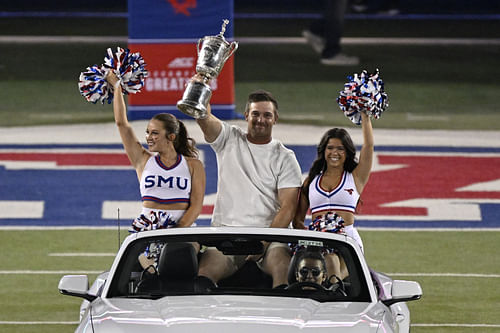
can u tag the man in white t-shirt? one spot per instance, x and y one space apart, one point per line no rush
258 183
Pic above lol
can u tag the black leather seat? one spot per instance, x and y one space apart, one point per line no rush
178 267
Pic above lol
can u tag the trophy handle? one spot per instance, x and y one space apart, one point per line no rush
198 46
233 48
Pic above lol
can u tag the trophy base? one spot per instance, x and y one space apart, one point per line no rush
195 99
192 109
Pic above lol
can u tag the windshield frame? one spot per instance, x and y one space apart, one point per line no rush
123 265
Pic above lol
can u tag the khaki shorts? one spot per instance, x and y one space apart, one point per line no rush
239 260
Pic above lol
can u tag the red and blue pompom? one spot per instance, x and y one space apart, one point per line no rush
93 85
330 222
155 220
128 66
363 93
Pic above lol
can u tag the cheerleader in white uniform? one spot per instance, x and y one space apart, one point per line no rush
172 178
336 180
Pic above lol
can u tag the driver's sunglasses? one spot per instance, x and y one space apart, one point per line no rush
315 271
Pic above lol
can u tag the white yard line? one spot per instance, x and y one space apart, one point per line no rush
124 229
39 322
82 254
464 275
46 272
430 229
457 325
45 228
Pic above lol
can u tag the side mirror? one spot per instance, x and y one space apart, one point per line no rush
75 285
404 291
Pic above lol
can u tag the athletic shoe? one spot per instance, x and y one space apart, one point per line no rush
359 8
389 12
316 42
340 59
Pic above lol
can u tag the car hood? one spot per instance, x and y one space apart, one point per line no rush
230 313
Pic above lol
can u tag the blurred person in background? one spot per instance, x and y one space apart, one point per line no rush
324 35
383 7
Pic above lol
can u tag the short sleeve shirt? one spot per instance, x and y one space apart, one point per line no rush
249 176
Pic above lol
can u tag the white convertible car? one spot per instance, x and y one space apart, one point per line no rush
153 286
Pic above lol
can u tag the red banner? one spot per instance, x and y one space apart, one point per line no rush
170 66
165 33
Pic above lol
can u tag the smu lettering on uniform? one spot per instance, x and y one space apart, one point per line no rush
159 181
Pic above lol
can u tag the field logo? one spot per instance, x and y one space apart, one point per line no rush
459 190
421 187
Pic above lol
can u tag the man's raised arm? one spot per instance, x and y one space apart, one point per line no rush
210 125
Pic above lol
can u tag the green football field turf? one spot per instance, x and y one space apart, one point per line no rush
469 297
429 86
448 87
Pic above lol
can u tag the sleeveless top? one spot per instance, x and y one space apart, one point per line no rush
166 185
344 197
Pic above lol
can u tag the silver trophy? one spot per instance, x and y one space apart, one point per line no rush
213 52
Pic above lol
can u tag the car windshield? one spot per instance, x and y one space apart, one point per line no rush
159 266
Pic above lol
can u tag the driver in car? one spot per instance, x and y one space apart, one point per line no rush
311 267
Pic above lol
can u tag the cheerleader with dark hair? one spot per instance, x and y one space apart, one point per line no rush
336 179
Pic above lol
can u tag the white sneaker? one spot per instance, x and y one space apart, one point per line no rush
316 42
389 12
340 59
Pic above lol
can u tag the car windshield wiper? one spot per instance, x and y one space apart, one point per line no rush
144 296
156 295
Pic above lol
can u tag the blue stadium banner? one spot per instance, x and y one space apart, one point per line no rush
166 33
